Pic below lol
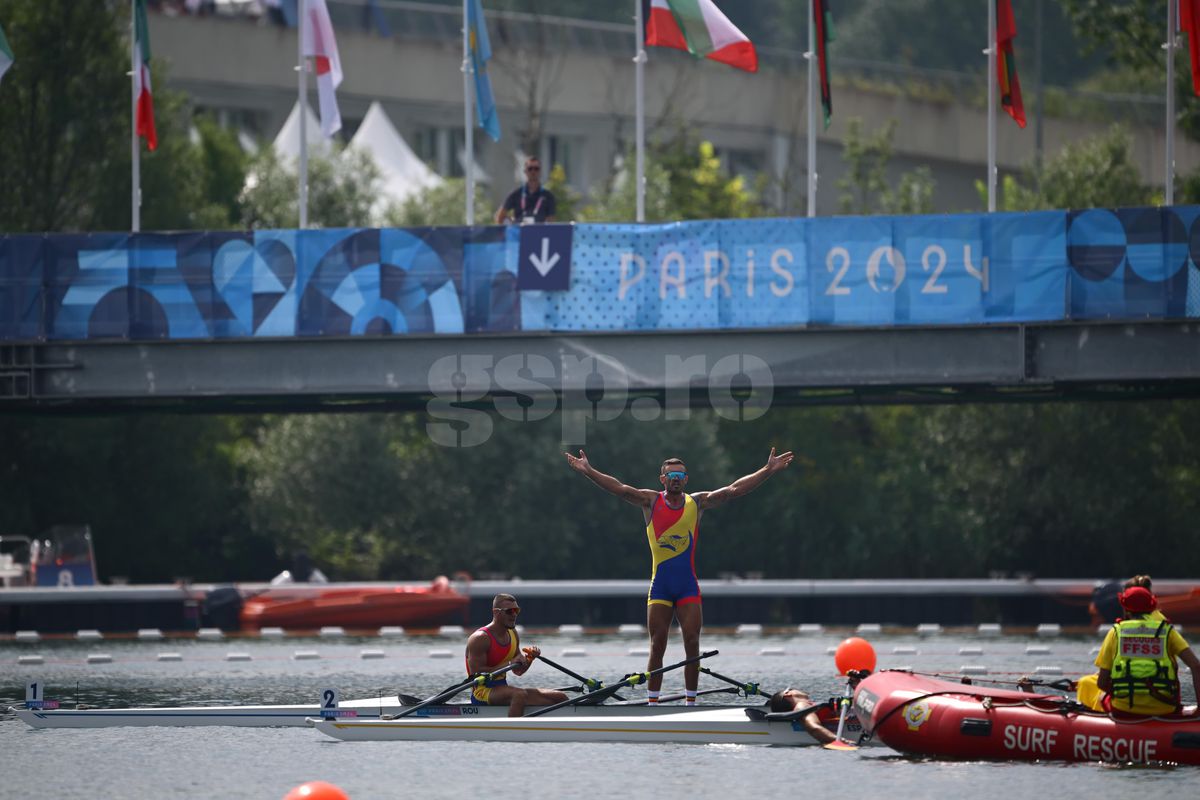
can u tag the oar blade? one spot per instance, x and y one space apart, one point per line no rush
840 745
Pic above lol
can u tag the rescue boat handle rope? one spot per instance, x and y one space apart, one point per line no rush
1064 706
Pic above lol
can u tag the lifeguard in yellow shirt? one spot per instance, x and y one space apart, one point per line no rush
672 520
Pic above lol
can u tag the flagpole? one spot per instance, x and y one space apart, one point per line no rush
991 118
811 55
136 176
1172 26
639 61
302 92
468 126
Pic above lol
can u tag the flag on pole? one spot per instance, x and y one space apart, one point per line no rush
141 78
823 19
1189 20
6 54
700 28
1006 65
481 53
321 46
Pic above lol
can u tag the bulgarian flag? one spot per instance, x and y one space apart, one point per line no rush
6 56
1006 66
321 47
141 78
1189 20
700 28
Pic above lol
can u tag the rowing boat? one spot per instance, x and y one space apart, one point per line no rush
295 715
700 726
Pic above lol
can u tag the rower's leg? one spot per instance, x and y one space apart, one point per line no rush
509 696
690 621
516 705
658 623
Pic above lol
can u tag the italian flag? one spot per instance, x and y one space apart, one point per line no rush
700 28
141 78
6 56
321 47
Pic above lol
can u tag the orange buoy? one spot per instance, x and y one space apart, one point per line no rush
316 790
854 653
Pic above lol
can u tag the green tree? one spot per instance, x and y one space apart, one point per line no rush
684 180
1092 173
161 492
341 191
66 111
865 188
442 205
65 133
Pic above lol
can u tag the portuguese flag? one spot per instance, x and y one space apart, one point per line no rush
823 19
1006 65
700 28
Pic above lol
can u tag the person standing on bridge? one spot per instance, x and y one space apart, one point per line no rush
672 519
497 645
530 202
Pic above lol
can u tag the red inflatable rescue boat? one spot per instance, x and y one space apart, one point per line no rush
923 716
310 606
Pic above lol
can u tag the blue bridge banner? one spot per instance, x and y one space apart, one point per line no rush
968 269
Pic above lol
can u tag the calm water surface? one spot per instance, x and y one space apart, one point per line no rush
267 763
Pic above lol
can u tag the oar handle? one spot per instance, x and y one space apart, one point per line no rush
748 688
629 680
591 684
478 679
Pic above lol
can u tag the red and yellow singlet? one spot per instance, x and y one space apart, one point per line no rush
672 535
498 655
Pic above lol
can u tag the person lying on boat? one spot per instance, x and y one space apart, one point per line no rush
790 699
497 645
1139 662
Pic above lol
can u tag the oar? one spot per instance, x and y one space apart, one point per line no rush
670 698
445 694
589 684
839 743
628 680
748 688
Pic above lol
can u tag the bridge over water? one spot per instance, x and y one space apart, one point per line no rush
607 319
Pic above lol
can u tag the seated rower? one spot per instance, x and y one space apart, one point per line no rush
794 700
1138 662
497 645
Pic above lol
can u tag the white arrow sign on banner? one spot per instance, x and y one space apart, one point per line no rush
547 261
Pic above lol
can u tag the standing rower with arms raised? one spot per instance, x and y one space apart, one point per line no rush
672 519
497 645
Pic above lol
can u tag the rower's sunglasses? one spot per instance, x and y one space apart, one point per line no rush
676 476
512 612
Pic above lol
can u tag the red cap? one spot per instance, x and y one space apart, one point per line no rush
1137 600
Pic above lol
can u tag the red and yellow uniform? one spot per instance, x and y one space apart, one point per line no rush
498 655
672 534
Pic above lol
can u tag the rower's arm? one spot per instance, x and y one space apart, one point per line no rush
638 497
744 484
1104 680
477 651
818 731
